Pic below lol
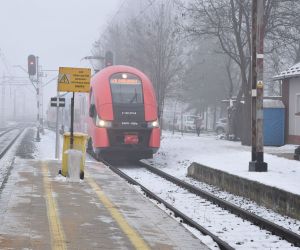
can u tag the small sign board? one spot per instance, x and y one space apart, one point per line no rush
74 79
61 102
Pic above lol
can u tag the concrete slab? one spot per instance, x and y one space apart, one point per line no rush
39 210
279 200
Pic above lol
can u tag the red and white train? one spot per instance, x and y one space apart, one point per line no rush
119 114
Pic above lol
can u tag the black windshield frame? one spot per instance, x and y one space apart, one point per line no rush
127 90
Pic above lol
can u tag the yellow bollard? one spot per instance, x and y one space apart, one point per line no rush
79 144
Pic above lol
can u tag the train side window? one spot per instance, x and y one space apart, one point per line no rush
92 108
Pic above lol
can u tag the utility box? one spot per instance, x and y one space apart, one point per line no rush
78 144
274 113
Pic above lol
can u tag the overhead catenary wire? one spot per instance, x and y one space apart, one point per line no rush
120 8
113 17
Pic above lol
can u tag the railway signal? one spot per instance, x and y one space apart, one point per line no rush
31 65
109 59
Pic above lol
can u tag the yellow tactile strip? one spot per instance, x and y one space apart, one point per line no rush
56 231
136 240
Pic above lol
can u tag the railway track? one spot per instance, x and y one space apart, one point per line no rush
4 150
222 244
2 133
251 219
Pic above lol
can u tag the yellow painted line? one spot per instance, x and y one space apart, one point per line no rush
136 240
56 231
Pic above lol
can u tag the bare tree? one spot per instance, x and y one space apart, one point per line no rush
230 22
150 43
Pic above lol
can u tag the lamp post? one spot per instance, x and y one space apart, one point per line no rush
97 62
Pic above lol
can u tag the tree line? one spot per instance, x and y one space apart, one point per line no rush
198 51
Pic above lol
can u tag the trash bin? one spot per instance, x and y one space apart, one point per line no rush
79 144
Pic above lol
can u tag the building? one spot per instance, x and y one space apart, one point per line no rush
290 82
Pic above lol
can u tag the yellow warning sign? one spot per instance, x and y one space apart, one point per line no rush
64 78
74 79
259 85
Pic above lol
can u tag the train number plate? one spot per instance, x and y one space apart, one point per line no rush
131 139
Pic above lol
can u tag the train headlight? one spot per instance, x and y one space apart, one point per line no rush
153 124
102 123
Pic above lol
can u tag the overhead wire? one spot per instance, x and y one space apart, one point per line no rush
111 20
118 11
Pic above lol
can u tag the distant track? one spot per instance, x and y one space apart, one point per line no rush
7 131
4 151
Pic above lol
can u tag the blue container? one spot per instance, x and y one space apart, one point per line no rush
273 123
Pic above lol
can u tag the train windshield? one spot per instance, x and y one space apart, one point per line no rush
126 88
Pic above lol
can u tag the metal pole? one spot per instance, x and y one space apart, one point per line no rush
253 81
15 105
72 121
41 109
38 100
3 104
259 165
57 129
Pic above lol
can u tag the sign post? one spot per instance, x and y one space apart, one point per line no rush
57 102
73 80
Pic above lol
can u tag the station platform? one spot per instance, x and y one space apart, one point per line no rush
41 210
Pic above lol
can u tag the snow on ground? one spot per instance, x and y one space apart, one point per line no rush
237 232
7 160
46 147
178 151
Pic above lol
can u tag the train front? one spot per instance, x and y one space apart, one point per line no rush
124 121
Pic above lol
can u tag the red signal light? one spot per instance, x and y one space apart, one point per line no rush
31 65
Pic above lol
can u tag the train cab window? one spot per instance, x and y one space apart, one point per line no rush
92 107
126 89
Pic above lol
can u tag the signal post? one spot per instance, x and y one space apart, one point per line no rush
33 69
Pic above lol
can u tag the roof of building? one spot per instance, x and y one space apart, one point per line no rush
291 72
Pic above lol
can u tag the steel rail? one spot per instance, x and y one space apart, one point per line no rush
258 221
10 144
7 131
222 244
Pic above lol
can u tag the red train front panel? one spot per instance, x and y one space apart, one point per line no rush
123 113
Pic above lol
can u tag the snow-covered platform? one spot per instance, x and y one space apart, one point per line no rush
40 210
279 200
228 165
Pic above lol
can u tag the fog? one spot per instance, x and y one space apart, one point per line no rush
60 33
197 65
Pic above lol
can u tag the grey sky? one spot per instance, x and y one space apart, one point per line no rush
60 32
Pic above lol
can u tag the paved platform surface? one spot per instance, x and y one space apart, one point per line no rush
40 210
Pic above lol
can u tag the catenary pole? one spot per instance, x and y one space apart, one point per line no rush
3 103
258 165
253 81
38 100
